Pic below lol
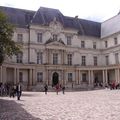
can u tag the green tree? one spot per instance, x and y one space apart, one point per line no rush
7 46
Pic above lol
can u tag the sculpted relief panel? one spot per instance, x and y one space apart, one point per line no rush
55 26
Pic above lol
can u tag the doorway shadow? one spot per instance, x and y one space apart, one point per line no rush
10 110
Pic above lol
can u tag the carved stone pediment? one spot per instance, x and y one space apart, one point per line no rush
54 42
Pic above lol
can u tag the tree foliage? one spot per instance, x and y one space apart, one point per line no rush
7 46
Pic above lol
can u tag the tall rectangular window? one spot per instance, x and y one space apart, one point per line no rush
39 58
69 59
115 41
20 38
83 60
20 77
82 44
55 58
95 60
19 57
94 45
116 58
84 77
39 37
39 77
107 60
106 44
68 40
70 77
55 37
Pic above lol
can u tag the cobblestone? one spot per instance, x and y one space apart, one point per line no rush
85 105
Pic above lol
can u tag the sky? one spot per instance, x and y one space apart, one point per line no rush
96 10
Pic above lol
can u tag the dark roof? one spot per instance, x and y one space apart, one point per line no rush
18 17
22 18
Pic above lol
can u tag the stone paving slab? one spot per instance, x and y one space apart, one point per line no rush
85 105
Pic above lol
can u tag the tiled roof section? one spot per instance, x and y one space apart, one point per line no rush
18 17
22 18
46 15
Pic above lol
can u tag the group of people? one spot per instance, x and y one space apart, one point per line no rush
113 85
10 90
57 88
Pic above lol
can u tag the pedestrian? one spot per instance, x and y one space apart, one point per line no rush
18 91
46 88
63 89
57 88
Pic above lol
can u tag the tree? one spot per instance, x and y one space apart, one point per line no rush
7 46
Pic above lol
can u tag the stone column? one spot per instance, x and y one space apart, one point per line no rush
89 77
118 75
17 71
34 76
103 78
1 74
92 77
79 81
30 77
106 77
15 76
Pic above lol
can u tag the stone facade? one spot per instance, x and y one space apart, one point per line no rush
52 53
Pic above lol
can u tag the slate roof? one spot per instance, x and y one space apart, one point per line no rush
43 16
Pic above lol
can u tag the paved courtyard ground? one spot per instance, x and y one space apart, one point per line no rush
85 105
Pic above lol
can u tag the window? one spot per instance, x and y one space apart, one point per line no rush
20 77
82 44
55 58
115 41
84 77
39 58
55 37
95 60
39 77
68 40
94 45
69 77
19 38
106 44
83 60
107 60
19 57
69 58
39 37
116 58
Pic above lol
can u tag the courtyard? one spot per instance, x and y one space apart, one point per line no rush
83 105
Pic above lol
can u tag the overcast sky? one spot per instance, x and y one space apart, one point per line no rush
96 10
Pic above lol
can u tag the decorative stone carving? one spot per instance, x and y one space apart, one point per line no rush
55 26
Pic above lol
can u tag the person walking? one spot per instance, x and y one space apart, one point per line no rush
57 88
18 91
63 89
46 88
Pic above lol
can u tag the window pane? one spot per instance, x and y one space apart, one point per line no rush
39 37
20 76
39 58
55 58
19 37
39 77
19 57
68 40
69 58
82 44
83 60
69 77
95 60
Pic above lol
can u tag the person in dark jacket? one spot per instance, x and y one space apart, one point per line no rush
63 89
46 88
18 91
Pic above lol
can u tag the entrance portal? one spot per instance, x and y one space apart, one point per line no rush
55 79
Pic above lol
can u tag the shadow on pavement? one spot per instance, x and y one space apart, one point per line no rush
10 110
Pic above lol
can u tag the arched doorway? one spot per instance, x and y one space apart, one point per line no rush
55 79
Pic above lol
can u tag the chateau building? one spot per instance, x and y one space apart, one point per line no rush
58 49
